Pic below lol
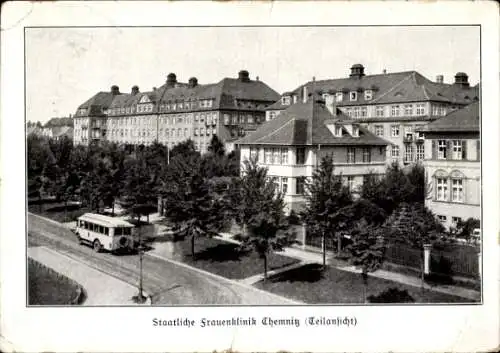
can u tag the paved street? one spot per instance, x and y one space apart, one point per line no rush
168 283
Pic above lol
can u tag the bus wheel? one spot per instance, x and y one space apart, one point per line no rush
97 245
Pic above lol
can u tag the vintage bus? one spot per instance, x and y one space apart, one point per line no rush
105 233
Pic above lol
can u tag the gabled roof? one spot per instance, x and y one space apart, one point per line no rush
464 120
398 87
101 99
65 121
306 124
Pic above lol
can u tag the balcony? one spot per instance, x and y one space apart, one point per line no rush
408 138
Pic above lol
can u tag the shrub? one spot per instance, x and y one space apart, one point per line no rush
392 295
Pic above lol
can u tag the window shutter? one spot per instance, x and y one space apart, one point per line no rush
464 149
478 150
434 150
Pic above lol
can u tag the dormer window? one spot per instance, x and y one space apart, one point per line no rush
368 95
294 99
285 100
355 131
339 96
353 96
338 131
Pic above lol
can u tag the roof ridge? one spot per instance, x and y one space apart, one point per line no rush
276 130
392 88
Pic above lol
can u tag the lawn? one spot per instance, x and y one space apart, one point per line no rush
333 286
225 259
47 287
56 212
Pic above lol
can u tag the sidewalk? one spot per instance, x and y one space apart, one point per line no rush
100 288
308 256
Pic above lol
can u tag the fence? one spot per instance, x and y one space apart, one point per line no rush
405 256
456 263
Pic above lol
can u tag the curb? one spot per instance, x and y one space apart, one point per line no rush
146 294
227 280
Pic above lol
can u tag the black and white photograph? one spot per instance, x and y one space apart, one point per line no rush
242 176
182 172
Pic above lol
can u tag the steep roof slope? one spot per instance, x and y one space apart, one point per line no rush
465 119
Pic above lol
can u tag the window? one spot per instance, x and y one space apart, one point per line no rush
442 218
202 131
356 112
395 151
457 149
300 186
367 156
235 119
353 95
227 119
395 110
285 100
272 115
457 190
408 153
250 119
349 112
351 155
456 220
395 130
242 119
338 131
196 131
268 155
420 152
339 96
420 109
442 149
301 155
284 185
441 189
253 153
276 156
408 109
350 183
284 156
368 94
185 132
364 112
379 130
379 111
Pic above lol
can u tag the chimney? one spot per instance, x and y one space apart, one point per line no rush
357 71
462 79
193 82
256 78
115 90
304 94
135 90
154 88
171 80
439 78
384 71
244 76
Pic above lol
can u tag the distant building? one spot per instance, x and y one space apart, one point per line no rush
58 127
391 105
292 145
453 165
176 112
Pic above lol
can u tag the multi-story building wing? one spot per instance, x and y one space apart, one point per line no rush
452 165
292 145
179 111
391 105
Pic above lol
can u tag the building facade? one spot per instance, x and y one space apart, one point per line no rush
176 112
292 146
453 166
394 106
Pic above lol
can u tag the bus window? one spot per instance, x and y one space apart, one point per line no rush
118 231
126 231
106 230
101 229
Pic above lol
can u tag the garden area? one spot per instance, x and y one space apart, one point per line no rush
42 281
57 211
313 285
228 259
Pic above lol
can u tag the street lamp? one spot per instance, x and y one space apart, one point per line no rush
140 298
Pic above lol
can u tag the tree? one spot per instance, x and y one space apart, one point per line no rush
414 225
192 203
465 228
185 148
366 250
258 208
326 198
216 146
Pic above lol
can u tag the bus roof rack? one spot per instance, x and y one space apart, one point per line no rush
105 220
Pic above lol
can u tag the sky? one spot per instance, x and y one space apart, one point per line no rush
67 66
